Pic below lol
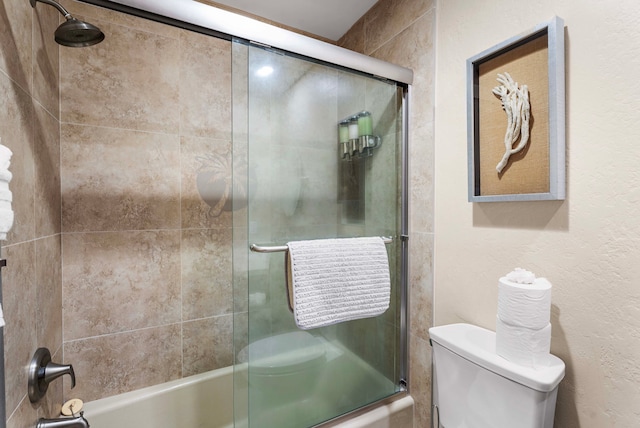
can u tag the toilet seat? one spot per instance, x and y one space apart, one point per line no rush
283 354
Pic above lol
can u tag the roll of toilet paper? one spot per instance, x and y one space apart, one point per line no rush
525 305
524 346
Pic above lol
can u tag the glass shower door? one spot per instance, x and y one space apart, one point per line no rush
303 181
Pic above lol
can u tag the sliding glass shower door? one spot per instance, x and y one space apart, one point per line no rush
317 154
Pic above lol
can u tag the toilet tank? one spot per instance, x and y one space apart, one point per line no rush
473 387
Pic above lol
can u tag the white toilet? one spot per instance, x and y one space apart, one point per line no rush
473 387
289 363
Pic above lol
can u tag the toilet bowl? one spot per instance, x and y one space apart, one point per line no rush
473 387
289 363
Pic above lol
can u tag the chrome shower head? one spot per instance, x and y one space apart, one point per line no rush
73 32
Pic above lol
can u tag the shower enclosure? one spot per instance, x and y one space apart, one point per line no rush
318 151
297 177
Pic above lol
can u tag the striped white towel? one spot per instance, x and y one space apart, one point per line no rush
336 280
6 213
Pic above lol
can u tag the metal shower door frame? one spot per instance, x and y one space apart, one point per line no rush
204 19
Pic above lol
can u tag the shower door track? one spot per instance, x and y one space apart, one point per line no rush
204 18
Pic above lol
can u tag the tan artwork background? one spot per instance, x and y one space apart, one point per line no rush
528 170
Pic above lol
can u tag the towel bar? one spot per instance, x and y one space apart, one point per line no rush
279 248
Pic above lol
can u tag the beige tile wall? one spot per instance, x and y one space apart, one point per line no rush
145 116
29 126
402 32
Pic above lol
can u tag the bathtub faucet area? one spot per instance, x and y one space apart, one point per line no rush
75 422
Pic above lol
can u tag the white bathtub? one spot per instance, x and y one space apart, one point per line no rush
206 401
201 401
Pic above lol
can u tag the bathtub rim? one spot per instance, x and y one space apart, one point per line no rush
371 413
358 418
114 402
361 417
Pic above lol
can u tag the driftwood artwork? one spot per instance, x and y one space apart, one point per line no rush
515 102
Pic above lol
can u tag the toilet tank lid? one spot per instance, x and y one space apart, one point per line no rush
478 345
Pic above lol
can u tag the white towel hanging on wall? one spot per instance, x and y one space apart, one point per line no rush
6 212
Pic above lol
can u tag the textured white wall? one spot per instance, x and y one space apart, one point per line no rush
589 245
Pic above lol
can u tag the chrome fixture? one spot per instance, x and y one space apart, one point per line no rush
74 422
42 371
280 248
73 32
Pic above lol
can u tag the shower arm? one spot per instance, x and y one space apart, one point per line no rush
58 6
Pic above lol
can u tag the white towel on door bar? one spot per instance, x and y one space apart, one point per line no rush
337 280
